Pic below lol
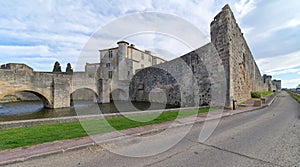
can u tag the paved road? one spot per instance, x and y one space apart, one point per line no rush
266 137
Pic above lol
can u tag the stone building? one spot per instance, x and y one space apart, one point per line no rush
124 60
92 68
118 65
191 79
277 84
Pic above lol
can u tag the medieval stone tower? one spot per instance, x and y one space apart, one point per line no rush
242 73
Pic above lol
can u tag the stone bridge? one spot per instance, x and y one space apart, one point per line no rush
54 89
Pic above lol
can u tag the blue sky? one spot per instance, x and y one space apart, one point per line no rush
38 33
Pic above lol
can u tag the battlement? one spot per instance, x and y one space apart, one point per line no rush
16 66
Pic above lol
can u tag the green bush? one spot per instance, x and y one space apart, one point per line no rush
255 95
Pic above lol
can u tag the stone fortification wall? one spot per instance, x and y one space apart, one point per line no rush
243 75
194 83
188 80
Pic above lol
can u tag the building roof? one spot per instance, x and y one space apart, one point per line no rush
123 42
132 46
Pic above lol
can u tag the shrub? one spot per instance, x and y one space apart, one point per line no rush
255 95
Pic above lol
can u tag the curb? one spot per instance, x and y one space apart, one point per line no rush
86 145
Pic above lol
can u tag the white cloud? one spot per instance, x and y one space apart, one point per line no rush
289 24
293 23
282 62
61 23
164 46
292 83
285 71
9 50
243 7
62 28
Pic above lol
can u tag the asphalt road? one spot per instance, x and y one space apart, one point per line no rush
265 137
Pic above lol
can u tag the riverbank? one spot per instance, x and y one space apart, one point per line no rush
76 118
35 110
41 150
27 136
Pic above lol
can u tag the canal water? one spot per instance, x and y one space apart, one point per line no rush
35 110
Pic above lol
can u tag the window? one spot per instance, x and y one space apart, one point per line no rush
107 65
110 74
128 74
142 65
110 54
142 56
149 58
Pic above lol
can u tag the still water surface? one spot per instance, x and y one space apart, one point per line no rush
35 109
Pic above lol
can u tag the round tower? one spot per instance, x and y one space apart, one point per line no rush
122 49
122 63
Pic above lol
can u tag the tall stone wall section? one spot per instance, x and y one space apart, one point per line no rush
242 73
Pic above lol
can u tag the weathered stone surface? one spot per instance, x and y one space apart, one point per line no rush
54 89
257 103
193 78
188 80
215 74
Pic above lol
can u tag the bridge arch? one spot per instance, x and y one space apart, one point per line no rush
84 93
45 100
118 95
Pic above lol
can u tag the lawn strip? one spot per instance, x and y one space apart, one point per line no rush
26 136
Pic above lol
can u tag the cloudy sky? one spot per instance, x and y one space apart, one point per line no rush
38 33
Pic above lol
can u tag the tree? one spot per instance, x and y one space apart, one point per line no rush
57 67
69 69
298 86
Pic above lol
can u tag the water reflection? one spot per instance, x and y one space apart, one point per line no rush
35 110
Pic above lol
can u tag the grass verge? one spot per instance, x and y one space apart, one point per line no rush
260 94
27 136
295 96
266 93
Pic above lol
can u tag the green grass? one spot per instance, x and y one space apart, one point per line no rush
266 93
258 95
295 96
27 136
